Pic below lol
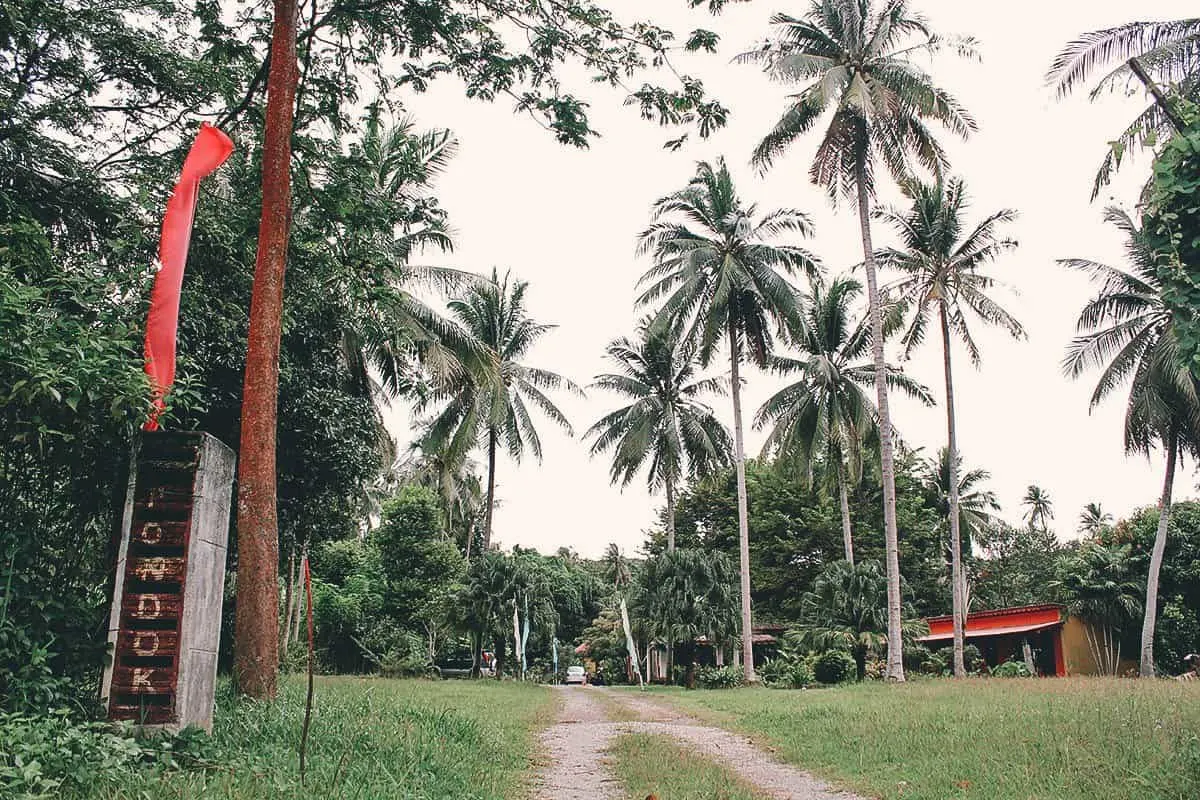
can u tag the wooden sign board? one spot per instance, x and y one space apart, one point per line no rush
165 623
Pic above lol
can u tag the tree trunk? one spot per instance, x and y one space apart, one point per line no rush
895 659
500 645
847 529
256 646
1156 558
670 517
957 595
491 492
743 511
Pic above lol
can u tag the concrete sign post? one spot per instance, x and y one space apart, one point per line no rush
165 623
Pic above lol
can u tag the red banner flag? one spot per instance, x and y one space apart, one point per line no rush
209 150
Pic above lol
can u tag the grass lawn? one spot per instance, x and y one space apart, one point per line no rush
1048 739
653 763
370 739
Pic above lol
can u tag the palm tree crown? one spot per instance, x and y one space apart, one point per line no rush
666 424
1094 519
1126 331
857 61
976 505
1168 51
716 268
826 415
494 407
1039 508
939 262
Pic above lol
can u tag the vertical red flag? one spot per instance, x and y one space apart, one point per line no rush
209 150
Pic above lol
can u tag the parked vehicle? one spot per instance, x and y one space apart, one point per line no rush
576 675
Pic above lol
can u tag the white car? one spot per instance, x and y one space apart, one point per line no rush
576 675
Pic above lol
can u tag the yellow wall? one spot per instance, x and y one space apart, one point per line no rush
1077 653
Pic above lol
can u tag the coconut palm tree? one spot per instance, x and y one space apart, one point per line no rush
719 277
1168 52
939 259
666 425
382 187
616 566
1094 519
975 506
494 410
826 416
854 59
1039 508
1126 331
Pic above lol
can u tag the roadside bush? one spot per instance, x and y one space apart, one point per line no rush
720 677
788 672
835 666
876 669
49 755
1011 669
941 662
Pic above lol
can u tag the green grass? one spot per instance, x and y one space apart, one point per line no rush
1049 739
370 739
648 763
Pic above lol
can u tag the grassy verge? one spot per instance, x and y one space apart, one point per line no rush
370 739
1052 739
648 763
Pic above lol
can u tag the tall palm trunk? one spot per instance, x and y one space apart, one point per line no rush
956 568
491 492
1156 558
256 647
847 528
743 511
895 660
670 516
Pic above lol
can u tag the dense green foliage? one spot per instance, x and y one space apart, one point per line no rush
796 530
1172 225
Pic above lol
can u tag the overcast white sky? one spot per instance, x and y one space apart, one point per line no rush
566 221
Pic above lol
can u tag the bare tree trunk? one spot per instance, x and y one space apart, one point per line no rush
956 568
1027 652
895 658
256 646
1156 558
847 529
743 510
287 604
491 493
670 517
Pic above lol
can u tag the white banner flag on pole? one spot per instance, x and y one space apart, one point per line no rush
637 668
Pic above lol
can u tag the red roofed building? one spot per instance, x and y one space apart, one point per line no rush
1059 643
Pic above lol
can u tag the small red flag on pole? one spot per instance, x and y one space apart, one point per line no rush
209 150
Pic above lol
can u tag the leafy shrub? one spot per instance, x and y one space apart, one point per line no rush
941 662
720 677
876 669
788 672
834 666
973 659
1011 669
47 756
